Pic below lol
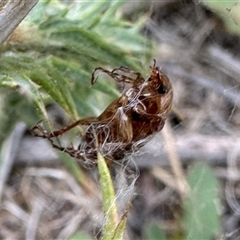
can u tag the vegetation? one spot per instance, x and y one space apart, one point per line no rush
49 60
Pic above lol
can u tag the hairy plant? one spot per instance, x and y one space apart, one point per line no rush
49 59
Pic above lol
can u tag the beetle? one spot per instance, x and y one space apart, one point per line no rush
126 124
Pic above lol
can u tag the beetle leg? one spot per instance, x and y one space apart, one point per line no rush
127 70
70 150
138 80
118 77
46 134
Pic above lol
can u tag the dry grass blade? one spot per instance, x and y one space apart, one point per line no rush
174 159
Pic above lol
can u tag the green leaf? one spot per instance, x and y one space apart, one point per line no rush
153 232
90 44
108 198
80 236
202 206
228 11
119 230
19 99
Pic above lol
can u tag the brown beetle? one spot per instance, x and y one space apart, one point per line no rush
127 123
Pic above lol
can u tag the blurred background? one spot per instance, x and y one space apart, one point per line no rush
186 179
